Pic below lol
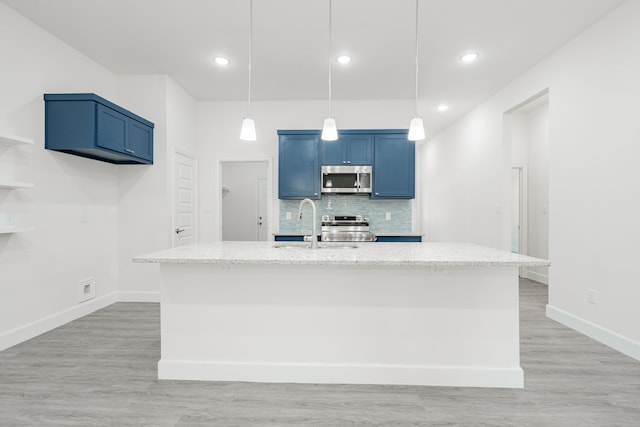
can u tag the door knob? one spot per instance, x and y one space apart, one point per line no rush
179 230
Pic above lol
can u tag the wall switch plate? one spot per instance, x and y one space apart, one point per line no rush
591 296
288 215
387 216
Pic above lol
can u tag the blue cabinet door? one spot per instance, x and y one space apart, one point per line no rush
120 133
394 167
299 166
140 140
111 129
349 149
333 152
359 149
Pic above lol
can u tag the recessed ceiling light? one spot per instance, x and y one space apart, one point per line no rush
343 59
443 107
220 60
469 57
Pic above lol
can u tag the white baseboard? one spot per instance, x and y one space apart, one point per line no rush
38 327
612 339
318 373
138 296
537 277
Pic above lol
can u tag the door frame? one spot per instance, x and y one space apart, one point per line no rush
270 201
523 214
183 152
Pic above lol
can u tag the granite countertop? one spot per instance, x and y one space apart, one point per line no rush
369 254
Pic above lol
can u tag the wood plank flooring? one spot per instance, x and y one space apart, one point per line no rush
101 371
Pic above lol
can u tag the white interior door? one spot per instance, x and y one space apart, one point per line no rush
244 202
184 199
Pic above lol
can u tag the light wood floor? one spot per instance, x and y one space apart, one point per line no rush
101 371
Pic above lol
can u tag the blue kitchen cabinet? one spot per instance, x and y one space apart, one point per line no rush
298 165
87 125
291 238
403 239
393 167
349 149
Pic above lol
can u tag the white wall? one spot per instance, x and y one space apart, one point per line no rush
593 176
219 132
90 217
143 196
145 192
73 206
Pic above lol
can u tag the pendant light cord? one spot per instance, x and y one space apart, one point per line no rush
250 50
330 47
416 58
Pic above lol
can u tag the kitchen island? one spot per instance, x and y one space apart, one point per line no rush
381 313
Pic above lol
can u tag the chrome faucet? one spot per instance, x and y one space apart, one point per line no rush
314 238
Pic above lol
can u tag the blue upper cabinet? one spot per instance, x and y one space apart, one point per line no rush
349 149
84 124
299 165
393 167
301 154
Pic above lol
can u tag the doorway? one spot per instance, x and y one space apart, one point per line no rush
244 200
528 132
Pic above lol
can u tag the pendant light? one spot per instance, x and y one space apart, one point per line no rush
416 127
248 131
329 129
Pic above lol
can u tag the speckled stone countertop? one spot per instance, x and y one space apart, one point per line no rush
370 254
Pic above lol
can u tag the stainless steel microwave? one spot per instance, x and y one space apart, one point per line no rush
347 179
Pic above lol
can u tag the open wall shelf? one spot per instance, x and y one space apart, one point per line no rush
9 184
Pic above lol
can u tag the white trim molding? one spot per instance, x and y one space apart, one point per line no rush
607 337
38 327
138 296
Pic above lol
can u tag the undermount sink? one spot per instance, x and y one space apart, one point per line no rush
320 246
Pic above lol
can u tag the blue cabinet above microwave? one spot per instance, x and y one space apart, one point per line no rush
87 125
302 154
350 149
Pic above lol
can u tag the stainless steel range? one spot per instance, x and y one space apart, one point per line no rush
346 228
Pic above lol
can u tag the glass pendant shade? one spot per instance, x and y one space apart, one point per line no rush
329 130
248 131
416 129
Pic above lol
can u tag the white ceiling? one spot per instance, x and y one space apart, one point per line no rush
290 44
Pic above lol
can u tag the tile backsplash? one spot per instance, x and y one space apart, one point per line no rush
337 204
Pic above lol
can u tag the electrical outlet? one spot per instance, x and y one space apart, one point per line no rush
387 216
288 215
86 290
591 296
10 218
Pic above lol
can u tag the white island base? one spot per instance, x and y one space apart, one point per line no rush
347 324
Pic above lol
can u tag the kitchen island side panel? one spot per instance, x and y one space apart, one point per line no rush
454 326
